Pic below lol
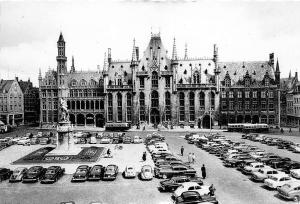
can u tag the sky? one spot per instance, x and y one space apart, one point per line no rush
243 31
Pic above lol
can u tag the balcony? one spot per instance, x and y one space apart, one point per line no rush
166 73
119 87
194 86
142 73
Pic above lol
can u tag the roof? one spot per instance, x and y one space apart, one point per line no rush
61 38
5 85
24 85
237 70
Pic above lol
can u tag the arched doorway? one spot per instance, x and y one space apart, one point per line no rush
154 116
231 119
255 119
90 119
224 119
199 123
80 119
72 118
100 120
239 119
247 119
206 123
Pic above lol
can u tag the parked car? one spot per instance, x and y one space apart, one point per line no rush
34 174
146 173
263 174
81 173
137 140
127 140
277 180
17 174
190 186
53 173
34 141
190 197
292 165
5 173
93 140
111 172
253 167
105 140
44 140
295 173
129 172
179 170
173 183
290 191
24 142
96 173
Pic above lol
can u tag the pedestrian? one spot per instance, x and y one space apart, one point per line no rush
144 156
212 190
108 152
203 170
193 158
182 150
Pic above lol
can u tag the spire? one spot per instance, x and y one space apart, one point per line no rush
61 38
215 53
277 66
40 74
174 53
290 74
134 57
73 66
185 52
105 62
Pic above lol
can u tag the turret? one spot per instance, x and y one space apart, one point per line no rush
61 57
73 66
109 55
277 73
215 57
174 54
185 52
134 60
271 60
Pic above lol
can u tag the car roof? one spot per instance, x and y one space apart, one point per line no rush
294 183
188 184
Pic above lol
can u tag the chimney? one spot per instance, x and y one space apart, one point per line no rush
271 59
296 76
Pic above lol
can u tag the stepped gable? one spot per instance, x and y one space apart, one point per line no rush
237 70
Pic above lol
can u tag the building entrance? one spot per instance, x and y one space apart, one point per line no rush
154 116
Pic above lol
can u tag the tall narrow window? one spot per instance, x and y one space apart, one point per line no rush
202 100
142 106
129 104
119 101
196 78
168 106
154 99
192 106
168 82
110 107
142 82
154 80
212 100
181 107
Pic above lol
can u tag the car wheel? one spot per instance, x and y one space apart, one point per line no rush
296 198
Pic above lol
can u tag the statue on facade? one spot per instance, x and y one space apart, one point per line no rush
64 110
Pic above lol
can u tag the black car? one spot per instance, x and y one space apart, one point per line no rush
111 172
53 173
4 173
191 197
81 173
34 174
173 183
290 166
96 173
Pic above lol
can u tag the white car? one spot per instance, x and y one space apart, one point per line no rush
191 186
256 155
264 173
93 140
277 180
105 140
137 139
253 167
24 142
129 172
295 173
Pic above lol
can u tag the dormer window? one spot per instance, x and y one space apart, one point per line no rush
227 82
73 83
247 82
267 82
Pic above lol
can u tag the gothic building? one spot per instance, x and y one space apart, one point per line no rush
155 88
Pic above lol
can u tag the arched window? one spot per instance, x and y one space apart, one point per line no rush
87 104
202 100
192 106
97 105
129 104
142 106
181 107
168 106
110 107
77 105
82 105
227 82
92 105
196 77
154 99
212 100
101 104
83 82
93 82
119 107
73 82
154 80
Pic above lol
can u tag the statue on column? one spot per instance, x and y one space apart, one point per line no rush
64 110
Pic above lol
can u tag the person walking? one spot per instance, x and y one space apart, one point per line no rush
144 156
181 150
203 170
212 190
193 158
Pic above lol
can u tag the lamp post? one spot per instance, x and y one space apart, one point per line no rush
210 82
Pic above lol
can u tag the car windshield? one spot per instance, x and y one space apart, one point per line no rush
260 171
50 171
274 178
110 168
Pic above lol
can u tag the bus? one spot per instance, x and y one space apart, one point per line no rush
247 127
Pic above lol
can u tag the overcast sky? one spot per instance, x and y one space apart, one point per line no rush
243 31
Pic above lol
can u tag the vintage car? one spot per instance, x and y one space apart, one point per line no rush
290 191
173 183
17 174
81 173
105 140
236 160
24 141
146 172
137 140
290 166
34 174
178 170
277 180
5 173
244 163
190 186
111 172
96 173
53 173
129 172
252 167
93 140
34 141
44 140
127 140
295 173
263 174
190 197
268 158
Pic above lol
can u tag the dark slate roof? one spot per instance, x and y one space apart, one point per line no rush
237 70
5 85
24 85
